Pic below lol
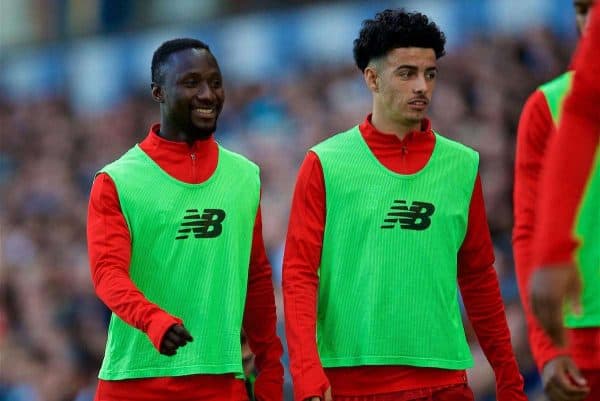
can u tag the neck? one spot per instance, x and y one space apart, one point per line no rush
176 135
388 127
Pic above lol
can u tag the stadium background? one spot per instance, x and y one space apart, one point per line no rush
74 78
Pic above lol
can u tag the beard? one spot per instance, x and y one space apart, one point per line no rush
202 132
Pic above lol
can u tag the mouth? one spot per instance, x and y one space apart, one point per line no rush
418 104
205 111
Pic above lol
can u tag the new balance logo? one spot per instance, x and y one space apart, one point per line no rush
413 217
207 225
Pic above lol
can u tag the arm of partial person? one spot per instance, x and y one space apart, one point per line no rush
109 249
260 321
572 162
535 129
301 281
480 291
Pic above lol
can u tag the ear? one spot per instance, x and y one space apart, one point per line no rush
371 78
157 93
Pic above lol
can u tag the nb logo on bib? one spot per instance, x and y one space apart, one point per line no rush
205 225
413 217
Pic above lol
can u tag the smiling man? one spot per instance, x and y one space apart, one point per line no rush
176 251
386 218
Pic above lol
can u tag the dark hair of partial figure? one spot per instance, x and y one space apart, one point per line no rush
169 47
391 29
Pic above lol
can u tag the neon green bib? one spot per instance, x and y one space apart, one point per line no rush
388 276
555 92
587 256
190 252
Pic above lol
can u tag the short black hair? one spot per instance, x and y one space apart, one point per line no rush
169 47
391 29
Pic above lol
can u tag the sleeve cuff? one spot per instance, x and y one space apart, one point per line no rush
318 390
543 360
158 328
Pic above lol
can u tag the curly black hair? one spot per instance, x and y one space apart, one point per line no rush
169 47
391 29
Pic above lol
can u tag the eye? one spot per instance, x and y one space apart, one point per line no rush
216 84
431 75
404 74
190 83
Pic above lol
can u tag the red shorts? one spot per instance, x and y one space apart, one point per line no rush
593 378
182 388
455 392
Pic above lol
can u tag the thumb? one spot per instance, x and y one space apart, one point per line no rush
328 395
575 374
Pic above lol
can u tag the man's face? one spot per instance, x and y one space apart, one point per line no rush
582 9
405 81
192 91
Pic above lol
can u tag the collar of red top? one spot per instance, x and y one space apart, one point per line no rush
373 134
154 140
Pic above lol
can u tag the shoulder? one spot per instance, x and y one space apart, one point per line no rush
128 160
536 102
237 159
536 122
335 141
454 145
558 84
456 154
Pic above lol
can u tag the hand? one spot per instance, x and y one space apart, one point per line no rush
563 381
177 336
550 287
326 397
248 356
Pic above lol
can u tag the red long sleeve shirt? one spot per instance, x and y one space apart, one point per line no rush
535 130
109 250
567 168
476 277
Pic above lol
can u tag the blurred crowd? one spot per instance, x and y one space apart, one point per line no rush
53 328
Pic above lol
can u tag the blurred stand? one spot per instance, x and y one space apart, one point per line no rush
75 102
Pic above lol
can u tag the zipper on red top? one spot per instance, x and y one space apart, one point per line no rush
194 172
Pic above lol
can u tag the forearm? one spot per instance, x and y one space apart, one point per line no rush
483 302
542 347
300 300
260 321
115 288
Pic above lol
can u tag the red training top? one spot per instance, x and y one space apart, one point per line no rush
476 277
109 250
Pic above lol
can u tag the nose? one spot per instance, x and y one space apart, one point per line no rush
420 84
205 92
